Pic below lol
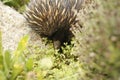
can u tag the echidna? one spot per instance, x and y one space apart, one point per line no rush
53 18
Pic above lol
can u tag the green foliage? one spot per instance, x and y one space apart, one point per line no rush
54 65
19 5
12 64
42 64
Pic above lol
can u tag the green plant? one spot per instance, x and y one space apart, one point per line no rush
35 63
19 5
12 63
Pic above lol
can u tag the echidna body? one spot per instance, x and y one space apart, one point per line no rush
53 18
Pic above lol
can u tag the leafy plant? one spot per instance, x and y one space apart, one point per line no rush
12 63
35 63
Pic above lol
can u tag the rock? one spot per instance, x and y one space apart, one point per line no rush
13 27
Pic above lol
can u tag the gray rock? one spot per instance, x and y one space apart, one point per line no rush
13 27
